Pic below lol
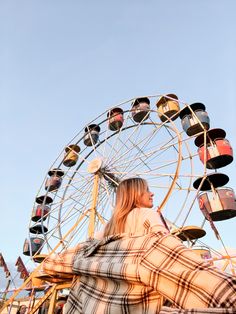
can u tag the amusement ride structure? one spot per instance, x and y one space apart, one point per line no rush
169 143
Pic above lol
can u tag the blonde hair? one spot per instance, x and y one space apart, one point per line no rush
128 195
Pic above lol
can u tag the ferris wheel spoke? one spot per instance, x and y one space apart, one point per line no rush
139 164
136 143
155 174
80 184
141 161
104 202
109 149
65 220
105 135
76 196
75 236
121 142
112 150
147 153
71 198
176 188
68 219
127 160
173 138
72 238
82 159
82 189
69 186
142 153
105 197
124 162
132 132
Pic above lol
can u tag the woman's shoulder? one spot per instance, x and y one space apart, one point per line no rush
142 212
151 215
148 212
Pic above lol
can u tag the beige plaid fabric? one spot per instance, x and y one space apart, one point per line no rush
132 274
57 267
167 310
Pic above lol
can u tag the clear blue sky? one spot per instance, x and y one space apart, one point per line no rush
62 63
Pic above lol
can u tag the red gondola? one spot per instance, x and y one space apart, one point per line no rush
214 149
42 209
115 119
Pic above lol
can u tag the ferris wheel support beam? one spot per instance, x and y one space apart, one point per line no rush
93 207
51 293
52 302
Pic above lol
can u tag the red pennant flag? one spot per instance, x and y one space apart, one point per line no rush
21 268
4 265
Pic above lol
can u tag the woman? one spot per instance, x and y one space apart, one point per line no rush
132 213
135 263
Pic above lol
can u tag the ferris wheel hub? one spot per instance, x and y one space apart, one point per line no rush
95 165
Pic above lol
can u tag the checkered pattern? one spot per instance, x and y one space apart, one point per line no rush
58 266
167 310
133 274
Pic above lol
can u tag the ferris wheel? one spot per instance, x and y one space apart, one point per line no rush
158 137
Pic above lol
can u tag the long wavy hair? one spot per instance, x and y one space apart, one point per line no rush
128 195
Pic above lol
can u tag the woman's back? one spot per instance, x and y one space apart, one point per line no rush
141 220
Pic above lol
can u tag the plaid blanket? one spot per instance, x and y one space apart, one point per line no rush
134 274
167 310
